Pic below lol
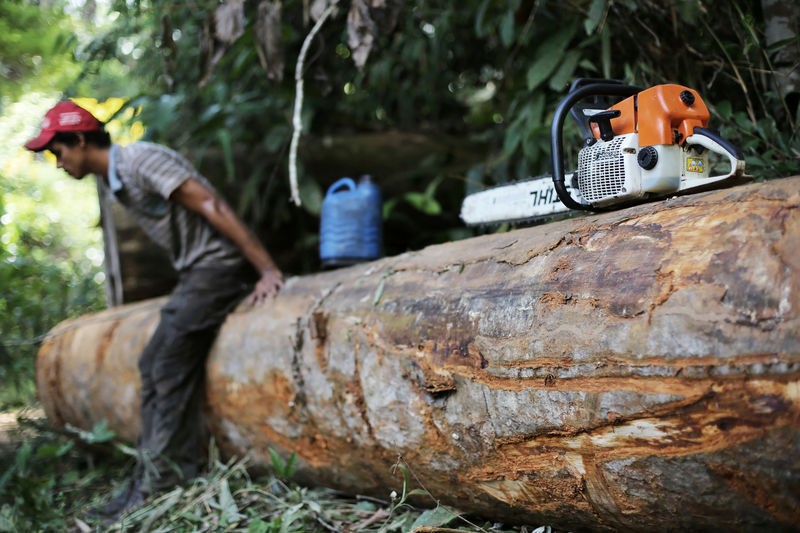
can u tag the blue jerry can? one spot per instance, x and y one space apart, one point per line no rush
350 229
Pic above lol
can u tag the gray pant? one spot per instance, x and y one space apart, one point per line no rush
172 370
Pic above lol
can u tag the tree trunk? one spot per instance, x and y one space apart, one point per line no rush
781 25
631 371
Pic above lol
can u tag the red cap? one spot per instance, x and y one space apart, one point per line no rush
65 116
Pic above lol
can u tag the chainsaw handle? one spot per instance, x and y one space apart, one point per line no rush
712 141
556 146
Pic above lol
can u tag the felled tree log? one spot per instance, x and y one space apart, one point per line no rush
631 371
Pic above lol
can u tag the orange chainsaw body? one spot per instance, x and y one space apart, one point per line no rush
660 115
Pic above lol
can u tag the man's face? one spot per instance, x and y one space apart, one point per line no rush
71 158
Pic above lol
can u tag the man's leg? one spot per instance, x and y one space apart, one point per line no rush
148 389
169 452
148 403
172 371
176 371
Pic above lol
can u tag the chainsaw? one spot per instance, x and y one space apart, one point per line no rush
653 144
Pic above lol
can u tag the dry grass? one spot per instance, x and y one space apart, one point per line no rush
50 478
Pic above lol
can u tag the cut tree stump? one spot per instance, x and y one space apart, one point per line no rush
637 370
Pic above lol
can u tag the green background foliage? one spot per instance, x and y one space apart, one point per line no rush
50 250
36 48
481 71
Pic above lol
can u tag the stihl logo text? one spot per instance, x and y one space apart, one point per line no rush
544 197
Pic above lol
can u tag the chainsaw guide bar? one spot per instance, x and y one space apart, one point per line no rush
531 200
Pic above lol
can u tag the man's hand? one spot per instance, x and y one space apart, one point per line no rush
268 286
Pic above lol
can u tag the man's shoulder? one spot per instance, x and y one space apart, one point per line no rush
154 167
139 154
144 148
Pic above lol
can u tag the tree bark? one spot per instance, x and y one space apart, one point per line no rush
630 371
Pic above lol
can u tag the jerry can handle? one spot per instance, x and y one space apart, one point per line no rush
340 184
712 141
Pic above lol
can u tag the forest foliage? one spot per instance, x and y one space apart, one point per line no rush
495 70
484 72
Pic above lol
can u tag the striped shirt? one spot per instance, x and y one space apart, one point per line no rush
142 176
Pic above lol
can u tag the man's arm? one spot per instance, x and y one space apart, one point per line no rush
193 195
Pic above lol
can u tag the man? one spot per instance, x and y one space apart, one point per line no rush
209 247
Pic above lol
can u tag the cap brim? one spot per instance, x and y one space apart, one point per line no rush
40 143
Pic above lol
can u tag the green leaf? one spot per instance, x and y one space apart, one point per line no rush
565 72
594 16
782 43
549 57
10 471
513 137
311 196
507 29
71 477
438 517
211 114
276 137
423 203
292 514
277 460
481 28
291 465
743 121
474 178
100 433
526 123
430 190
724 109
45 451
53 450
314 506
224 138
226 501
365 505
21 459
381 284
258 526
689 12
605 51
388 207
586 64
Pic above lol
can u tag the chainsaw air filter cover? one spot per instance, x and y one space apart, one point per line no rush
601 170
619 170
